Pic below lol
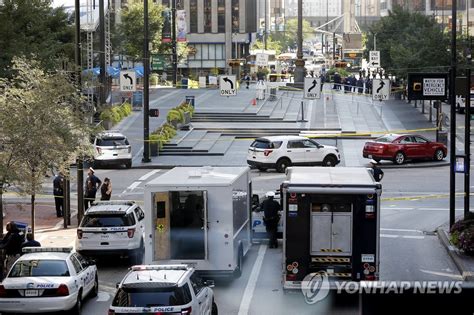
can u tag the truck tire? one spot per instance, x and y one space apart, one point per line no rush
282 164
240 261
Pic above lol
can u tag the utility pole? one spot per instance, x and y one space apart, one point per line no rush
452 98
173 41
467 142
299 69
327 26
146 90
79 162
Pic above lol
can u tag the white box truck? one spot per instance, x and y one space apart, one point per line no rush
331 224
199 216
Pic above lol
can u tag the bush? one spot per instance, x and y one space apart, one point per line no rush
175 114
466 240
154 79
458 237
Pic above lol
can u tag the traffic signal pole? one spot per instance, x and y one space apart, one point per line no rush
452 98
79 161
146 90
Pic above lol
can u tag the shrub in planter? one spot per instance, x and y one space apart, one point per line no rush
466 240
154 79
458 228
175 115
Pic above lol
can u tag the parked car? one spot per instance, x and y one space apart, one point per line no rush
163 289
48 279
281 152
112 148
112 228
402 147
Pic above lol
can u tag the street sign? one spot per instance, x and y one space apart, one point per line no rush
374 59
228 85
137 99
261 60
427 86
460 164
312 88
381 89
128 81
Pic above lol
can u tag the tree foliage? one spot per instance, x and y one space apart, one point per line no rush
271 44
409 42
42 126
33 27
289 37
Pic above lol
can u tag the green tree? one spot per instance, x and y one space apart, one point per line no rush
33 27
42 126
409 42
289 37
271 44
131 29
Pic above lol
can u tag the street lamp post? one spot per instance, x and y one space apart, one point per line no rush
299 69
452 98
146 90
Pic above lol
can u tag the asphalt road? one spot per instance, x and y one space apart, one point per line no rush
409 248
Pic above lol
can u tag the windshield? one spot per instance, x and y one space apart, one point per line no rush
39 268
112 141
387 138
149 297
108 220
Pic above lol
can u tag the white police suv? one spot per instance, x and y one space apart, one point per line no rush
112 147
47 280
112 228
163 289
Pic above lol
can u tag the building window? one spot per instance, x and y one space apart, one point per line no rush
221 16
207 16
193 16
235 15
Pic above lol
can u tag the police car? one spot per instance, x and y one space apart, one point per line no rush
48 280
112 228
163 289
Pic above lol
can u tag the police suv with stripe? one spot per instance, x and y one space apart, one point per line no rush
163 289
112 228
47 280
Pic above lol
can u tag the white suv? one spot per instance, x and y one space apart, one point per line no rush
163 289
281 152
112 228
112 147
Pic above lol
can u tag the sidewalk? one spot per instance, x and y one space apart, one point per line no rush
45 214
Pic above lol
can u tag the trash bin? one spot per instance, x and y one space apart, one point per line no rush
442 136
184 83
190 100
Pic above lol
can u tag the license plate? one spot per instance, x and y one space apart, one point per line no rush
31 292
104 236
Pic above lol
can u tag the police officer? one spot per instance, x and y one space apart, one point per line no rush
271 217
377 172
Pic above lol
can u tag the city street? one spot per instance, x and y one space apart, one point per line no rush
409 248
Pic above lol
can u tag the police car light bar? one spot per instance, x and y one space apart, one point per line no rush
159 267
114 203
47 249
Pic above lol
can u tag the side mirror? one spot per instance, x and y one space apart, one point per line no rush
91 262
117 285
255 200
209 283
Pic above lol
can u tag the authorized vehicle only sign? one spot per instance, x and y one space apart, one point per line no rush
434 86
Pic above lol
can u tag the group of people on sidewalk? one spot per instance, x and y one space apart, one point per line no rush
92 185
12 244
352 84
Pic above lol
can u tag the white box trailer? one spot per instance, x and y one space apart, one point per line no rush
331 224
199 216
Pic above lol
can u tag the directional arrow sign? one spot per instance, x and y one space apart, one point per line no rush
381 89
228 85
312 88
374 59
128 81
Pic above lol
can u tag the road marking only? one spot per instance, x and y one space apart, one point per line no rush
252 282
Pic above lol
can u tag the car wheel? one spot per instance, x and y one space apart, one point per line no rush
261 168
399 158
282 165
329 161
95 289
76 310
136 256
439 155
128 164
240 259
214 308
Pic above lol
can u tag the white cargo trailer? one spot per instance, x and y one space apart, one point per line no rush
199 216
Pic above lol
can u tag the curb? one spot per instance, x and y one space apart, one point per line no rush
423 165
452 252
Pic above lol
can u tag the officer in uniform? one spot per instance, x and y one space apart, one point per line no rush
271 217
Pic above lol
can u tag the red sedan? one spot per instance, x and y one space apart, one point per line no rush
399 148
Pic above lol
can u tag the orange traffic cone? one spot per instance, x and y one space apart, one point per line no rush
254 102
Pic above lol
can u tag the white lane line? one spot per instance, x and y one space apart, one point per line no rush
416 237
401 230
252 282
148 175
131 187
423 209
389 235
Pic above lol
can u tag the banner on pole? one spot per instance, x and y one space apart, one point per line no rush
166 31
181 25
